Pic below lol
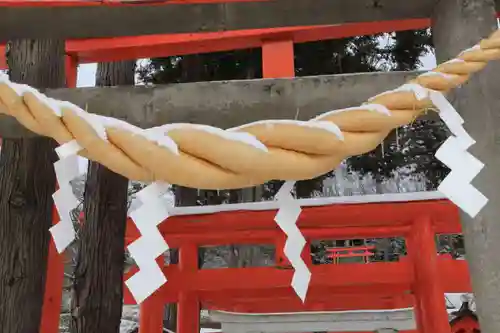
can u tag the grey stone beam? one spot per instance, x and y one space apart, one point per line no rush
225 104
383 321
136 19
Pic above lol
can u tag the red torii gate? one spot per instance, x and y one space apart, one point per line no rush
419 280
248 289
151 46
420 274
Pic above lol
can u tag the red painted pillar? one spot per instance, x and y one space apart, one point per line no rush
277 59
151 310
54 281
416 292
3 61
71 71
429 293
278 62
188 307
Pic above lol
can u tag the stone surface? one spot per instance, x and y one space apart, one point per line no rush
111 21
225 104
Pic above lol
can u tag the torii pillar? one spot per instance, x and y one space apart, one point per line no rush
458 25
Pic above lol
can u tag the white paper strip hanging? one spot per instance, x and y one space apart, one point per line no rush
286 218
464 167
67 168
151 244
453 153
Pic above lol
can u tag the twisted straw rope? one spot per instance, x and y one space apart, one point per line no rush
211 158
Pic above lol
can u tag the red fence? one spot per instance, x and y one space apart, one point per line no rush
420 280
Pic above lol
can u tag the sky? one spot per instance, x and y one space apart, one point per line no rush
429 61
86 72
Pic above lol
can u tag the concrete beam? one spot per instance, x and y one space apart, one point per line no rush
135 19
227 103
380 321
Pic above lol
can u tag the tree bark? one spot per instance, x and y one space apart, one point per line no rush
98 286
116 73
191 72
27 181
457 25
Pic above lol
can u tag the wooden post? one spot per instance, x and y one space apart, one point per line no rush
184 196
278 62
55 266
188 311
458 25
105 207
27 174
429 293
151 310
53 287
412 257
278 59
71 63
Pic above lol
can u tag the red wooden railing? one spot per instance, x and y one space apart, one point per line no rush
364 252
418 280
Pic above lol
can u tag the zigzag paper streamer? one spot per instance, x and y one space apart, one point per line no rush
464 168
66 169
453 153
147 248
286 218
463 165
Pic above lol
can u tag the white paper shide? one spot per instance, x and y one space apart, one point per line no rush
151 244
67 169
286 218
464 167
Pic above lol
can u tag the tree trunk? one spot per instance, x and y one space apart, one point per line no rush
98 286
191 72
457 25
27 182
119 73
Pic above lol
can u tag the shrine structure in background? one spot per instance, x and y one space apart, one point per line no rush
418 281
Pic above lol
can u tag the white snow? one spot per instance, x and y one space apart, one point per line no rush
242 137
419 91
313 202
100 123
319 312
443 75
21 89
325 125
455 60
475 47
370 107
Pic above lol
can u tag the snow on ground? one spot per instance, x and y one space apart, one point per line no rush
454 300
130 318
